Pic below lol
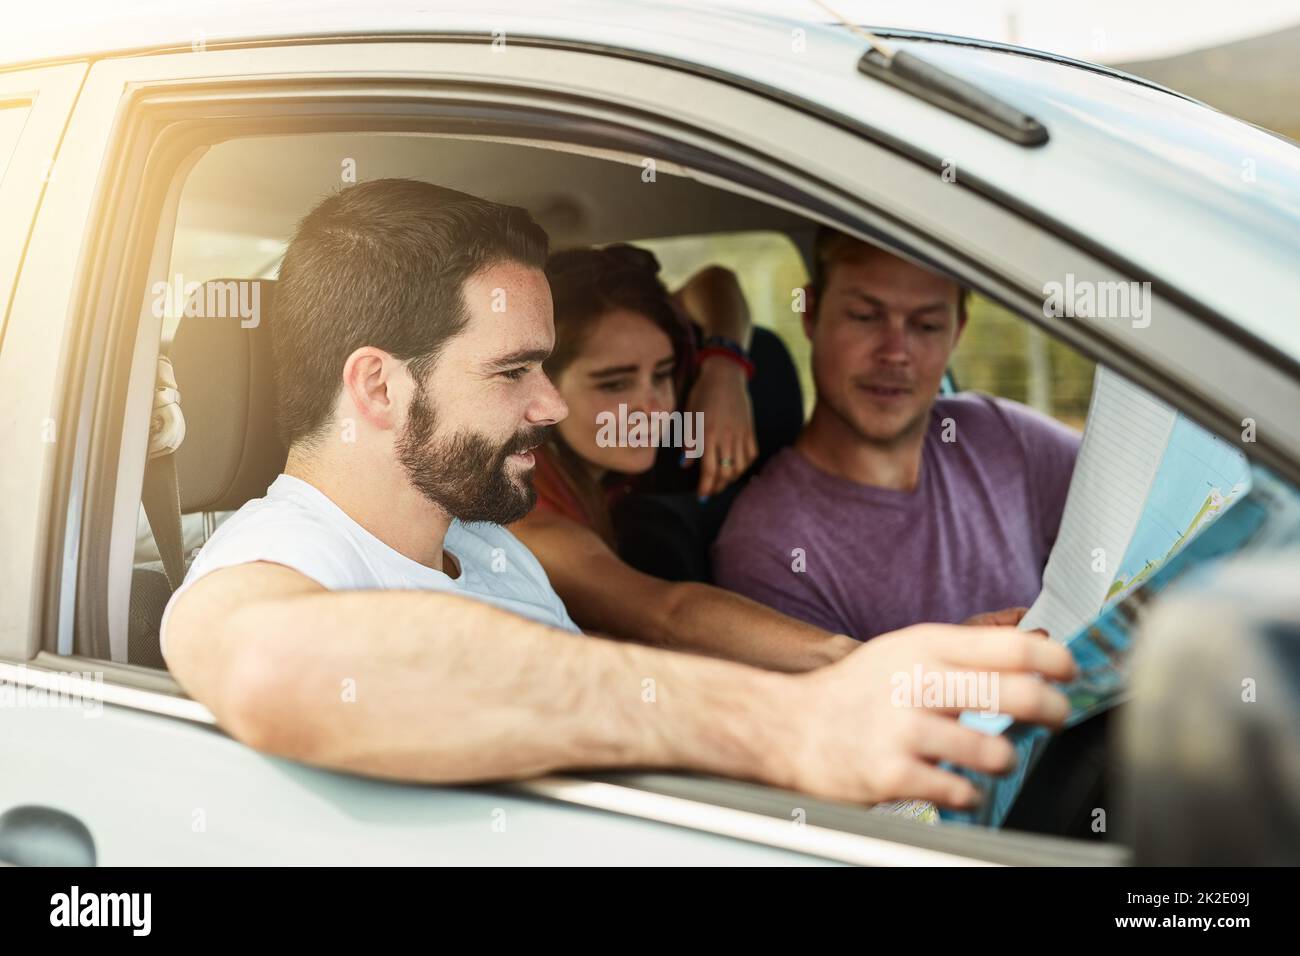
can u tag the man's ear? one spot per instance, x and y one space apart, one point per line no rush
809 315
372 388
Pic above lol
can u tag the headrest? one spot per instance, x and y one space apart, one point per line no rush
221 354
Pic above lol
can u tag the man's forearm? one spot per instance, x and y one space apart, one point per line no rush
708 620
449 689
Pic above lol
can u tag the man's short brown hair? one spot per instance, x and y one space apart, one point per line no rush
831 246
382 263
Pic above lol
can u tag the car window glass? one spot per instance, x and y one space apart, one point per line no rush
1002 354
770 271
13 116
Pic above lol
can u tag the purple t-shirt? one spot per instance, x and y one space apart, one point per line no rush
972 536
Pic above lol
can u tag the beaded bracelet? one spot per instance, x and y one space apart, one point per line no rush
725 348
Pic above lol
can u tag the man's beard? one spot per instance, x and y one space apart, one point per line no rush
466 475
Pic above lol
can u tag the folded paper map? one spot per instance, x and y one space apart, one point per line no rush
1162 495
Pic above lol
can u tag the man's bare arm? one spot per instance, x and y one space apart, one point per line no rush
605 594
448 689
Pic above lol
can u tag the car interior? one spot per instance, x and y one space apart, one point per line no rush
224 372
581 196
240 203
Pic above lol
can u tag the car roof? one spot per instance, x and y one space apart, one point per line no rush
1182 194
681 27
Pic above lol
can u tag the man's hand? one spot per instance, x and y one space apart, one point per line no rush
856 731
721 393
1007 617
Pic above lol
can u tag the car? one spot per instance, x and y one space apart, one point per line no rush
140 160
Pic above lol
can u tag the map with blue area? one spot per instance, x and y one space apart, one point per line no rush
1199 476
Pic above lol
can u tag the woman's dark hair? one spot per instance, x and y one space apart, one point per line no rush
587 284
382 263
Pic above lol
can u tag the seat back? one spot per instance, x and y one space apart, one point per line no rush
226 376
231 453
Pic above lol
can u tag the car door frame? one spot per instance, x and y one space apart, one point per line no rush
28 429
48 93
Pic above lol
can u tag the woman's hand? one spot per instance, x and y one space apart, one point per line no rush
721 394
714 300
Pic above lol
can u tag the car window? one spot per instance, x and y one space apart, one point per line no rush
1004 355
770 270
999 353
13 116
239 204
202 251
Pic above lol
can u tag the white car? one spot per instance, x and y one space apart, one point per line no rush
138 156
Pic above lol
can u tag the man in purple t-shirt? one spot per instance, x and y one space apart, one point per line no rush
895 505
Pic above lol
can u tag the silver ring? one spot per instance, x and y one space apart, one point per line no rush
725 462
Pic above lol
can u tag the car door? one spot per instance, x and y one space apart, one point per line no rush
171 775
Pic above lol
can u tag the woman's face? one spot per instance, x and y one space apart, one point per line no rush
626 360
